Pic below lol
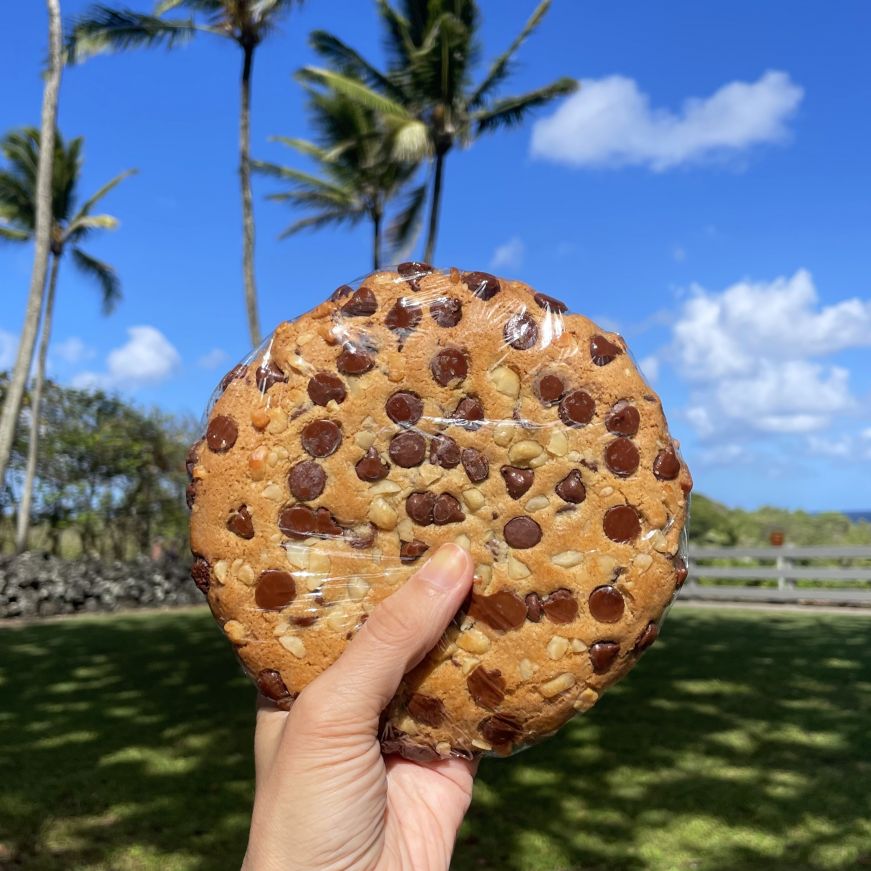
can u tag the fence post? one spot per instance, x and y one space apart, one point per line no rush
783 583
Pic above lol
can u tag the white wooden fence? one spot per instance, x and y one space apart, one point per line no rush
785 565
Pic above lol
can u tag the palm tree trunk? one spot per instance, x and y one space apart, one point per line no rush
429 253
15 393
376 240
35 402
247 206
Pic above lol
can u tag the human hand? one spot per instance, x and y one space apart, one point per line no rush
326 798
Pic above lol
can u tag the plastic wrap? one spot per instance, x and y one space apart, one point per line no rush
419 406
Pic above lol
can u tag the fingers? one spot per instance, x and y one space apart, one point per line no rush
267 735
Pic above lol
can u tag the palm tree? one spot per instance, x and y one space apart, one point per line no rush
357 173
246 22
41 232
69 228
426 95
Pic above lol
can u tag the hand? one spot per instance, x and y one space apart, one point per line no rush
326 798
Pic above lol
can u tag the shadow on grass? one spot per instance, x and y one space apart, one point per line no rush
741 742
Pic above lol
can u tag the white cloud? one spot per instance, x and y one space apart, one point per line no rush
212 359
509 255
609 122
147 357
8 349
72 350
650 367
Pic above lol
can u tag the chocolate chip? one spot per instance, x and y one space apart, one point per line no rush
300 521
517 481
303 620
560 606
404 316
447 311
487 688
190 494
482 284
549 388
666 466
475 464
621 523
404 407
192 459
647 637
341 292
602 655
446 509
606 604
267 375
362 535
470 411
354 361
444 452
407 449
411 551
275 590
623 419
449 365
577 408
221 434
548 303
412 271
592 465
521 331
320 438
239 522
603 351
269 683
571 488
324 386
502 610
522 532
500 730
201 573
307 480
621 457
680 572
370 467
419 507
236 372
426 709
361 303
533 607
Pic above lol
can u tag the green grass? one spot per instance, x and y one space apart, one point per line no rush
741 742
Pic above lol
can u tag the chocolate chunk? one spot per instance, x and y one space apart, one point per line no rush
603 351
602 655
201 573
324 386
221 434
444 452
192 459
666 466
533 607
469 410
549 388
623 419
320 438
446 509
354 361
500 730
449 365
267 375
300 521
517 481
522 532
275 590
370 467
341 292
304 620
426 709
680 572
239 522
419 507
236 372
577 408
361 303
476 465
621 523
190 494
482 284
447 311
621 457
269 683
362 535
521 331
412 271
407 449
307 480
560 606
647 637
606 604
502 610
571 488
487 688
548 303
404 407
411 551
404 316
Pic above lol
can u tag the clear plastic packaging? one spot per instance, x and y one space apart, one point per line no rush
418 406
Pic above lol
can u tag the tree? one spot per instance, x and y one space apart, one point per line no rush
69 228
426 94
246 22
41 232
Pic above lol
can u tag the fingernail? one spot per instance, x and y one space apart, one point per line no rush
447 568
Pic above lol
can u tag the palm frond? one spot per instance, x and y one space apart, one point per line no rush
404 228
105 276
411 142
303 146
88 204
351 62
399 44
313 222
83 224
510 111
10 234
275 170
355 91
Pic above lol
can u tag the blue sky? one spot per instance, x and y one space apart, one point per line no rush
707 193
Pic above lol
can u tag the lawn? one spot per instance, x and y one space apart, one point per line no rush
741 742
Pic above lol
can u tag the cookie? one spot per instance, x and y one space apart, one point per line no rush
421 407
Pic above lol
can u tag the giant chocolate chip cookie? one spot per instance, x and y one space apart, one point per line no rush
424 407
